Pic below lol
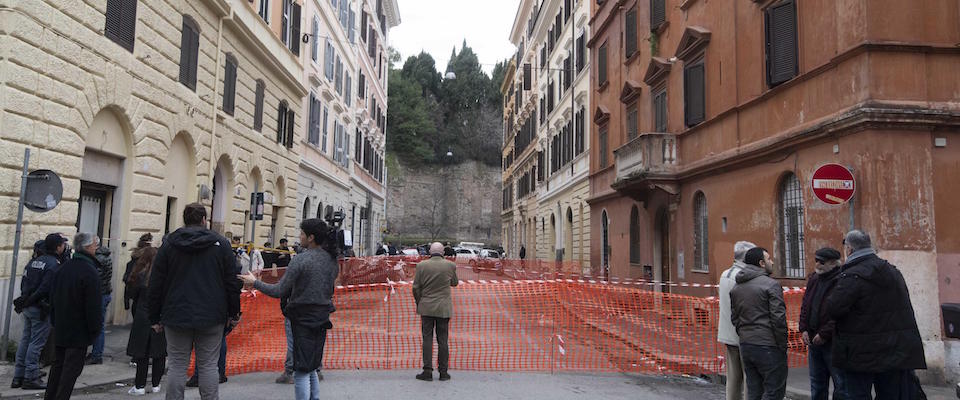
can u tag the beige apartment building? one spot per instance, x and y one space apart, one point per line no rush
345 72
546 133
142 107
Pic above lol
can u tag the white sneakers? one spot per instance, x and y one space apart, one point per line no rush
140 392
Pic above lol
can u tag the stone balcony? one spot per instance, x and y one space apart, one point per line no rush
648 161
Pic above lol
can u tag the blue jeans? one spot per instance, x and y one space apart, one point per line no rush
97 352
288 362
765 368
821 372
36 328
306 385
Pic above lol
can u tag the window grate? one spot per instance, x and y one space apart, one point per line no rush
701 254
791 227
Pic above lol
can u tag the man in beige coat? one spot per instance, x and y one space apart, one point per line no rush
431 290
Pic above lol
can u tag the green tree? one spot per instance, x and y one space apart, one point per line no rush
410 124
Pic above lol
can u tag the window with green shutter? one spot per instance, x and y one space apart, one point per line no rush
630 33
658 14
781 42
602 65
693 93
189 47
121 23
229 84
258 107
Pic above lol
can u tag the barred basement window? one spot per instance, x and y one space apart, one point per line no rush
791 227
700 234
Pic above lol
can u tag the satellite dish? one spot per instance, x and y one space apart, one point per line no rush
44 191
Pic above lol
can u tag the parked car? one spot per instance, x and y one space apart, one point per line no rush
488 259
410 251
464 254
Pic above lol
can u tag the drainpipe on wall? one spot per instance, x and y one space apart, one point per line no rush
213 109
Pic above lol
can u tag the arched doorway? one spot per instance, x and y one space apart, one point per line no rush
605 246
661 253
179 181
222 185
254 184
105 178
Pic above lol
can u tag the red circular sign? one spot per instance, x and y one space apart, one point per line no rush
833 184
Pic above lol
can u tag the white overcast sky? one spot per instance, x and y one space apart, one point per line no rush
437 26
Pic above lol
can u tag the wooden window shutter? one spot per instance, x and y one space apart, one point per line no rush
291 116
353 29
602 65
693 94
121 22
189 47
781 33
258 108
295 29
229 85
363 26
527 75
660 112
632 122
630 41
281 120
658 14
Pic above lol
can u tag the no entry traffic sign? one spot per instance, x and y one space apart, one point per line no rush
833 184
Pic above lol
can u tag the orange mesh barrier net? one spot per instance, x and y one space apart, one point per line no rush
502 324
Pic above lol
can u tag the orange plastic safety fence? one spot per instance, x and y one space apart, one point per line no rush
503 325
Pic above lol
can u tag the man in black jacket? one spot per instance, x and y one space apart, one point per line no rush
105 269
816 326
758 312
76 315
33 303
193 293
877 343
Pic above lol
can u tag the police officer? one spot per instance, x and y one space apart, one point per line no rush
32 303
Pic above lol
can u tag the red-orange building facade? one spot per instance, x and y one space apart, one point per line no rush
711 117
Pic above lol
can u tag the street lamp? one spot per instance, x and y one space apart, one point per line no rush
450 75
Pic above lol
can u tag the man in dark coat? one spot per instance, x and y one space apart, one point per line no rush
77 316
876 342
193 293
105 269
758 312
431 291
816 326
33 303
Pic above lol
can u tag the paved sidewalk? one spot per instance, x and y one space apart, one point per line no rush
798 387
115 368
465 385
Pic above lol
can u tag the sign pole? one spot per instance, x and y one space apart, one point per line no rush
852 199
16 253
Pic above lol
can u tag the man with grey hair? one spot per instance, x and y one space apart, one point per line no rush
76 315
726 333
431 291
876 342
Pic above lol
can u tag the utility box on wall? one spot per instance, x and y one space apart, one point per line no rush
951 319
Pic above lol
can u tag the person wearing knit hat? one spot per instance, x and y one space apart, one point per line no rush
816 326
